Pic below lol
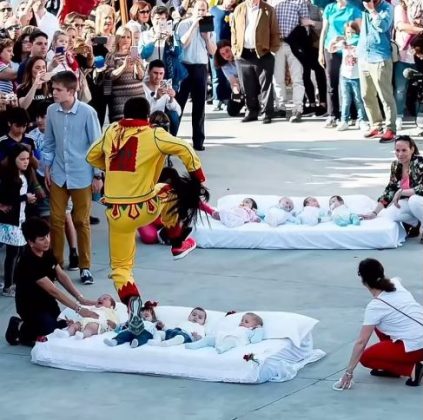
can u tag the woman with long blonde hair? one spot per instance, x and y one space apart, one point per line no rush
125 72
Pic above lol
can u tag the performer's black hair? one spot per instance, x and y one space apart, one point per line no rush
189 192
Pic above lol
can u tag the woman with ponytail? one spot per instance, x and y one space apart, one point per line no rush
397 319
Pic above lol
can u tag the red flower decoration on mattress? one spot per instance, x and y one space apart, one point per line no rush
250 356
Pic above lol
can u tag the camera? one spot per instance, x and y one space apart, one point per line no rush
416 80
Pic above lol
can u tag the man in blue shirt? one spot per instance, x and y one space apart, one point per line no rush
72 126
375 65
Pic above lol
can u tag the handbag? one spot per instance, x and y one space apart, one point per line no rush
395 51
401 312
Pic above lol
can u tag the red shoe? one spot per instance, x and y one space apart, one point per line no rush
388 136
186 247
373 133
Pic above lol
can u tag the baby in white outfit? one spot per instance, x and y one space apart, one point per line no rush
281 213
312 214
249 331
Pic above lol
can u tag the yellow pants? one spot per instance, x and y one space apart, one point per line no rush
124 220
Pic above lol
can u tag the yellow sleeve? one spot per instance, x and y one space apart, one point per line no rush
170 145
95 155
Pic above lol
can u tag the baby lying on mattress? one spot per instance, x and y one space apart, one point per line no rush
249 331
86 327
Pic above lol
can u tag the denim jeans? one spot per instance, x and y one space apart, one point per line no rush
350 89
401 85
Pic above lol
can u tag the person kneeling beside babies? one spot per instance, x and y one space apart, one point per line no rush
246 212
249 331
86 327
282 213
186 332
149 329
340 214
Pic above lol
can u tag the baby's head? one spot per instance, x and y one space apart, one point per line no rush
148 312
311 202
106 301
285 203
249 203
335 201
198 316
251 320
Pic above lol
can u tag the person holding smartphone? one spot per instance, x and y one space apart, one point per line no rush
161 96
125 71
198 46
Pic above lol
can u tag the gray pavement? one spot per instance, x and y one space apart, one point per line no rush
280 158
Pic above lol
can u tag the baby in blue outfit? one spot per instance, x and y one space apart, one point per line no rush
340 214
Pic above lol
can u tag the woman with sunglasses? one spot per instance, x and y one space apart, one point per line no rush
397 319
403 196
140 15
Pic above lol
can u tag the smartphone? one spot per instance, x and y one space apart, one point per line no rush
134 52
60 50
162 27
99 40
169 26
169 83
46 76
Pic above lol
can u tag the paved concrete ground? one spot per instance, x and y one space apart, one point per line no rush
280 158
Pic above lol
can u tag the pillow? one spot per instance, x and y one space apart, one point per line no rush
121 309
275 324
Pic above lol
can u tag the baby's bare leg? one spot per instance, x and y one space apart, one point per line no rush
73 328
90 329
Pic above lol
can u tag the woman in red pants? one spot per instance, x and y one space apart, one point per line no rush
397 319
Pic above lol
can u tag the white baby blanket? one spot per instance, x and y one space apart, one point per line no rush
371 234
275 359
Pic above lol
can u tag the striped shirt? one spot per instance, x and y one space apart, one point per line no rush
6 86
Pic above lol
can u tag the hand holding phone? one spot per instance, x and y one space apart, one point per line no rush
134 52
60 50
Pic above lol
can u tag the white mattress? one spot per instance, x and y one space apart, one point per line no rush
279 359
378 233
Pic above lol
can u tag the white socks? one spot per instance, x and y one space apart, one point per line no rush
110 342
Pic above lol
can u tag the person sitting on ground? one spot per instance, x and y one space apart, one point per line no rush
249 331
281 213
36 293
403 196
186 332
246 212
397 319
340 214
311 214
86 327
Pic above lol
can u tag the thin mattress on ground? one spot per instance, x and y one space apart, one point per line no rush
287 347
378 233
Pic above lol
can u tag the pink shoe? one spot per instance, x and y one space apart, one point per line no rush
186 247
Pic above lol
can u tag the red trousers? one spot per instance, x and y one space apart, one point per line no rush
390 356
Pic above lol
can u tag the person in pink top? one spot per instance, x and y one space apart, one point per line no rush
403 196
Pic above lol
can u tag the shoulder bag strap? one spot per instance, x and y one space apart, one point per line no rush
398 310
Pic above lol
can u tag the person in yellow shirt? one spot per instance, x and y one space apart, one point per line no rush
132 155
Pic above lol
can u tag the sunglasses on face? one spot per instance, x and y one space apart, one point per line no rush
14 27
6 9
144 12
80 25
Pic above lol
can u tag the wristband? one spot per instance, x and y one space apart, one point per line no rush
349 374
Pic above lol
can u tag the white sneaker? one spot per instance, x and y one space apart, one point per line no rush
330 122
398 123
419 121
110 342
363 126
342 126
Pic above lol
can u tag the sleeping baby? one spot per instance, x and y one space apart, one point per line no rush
249 331
246 212
340 214
86 327
311 214
281 213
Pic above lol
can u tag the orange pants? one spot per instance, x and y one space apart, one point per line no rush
124 220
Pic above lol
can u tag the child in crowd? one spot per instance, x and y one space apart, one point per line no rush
59 57
340 214
14 195
281 213
150 331
249 331
311 214
246 212
186 332
86 327
350 82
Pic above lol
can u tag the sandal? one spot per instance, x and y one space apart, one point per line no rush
418 375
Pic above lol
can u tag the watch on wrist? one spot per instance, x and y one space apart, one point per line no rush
97 177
